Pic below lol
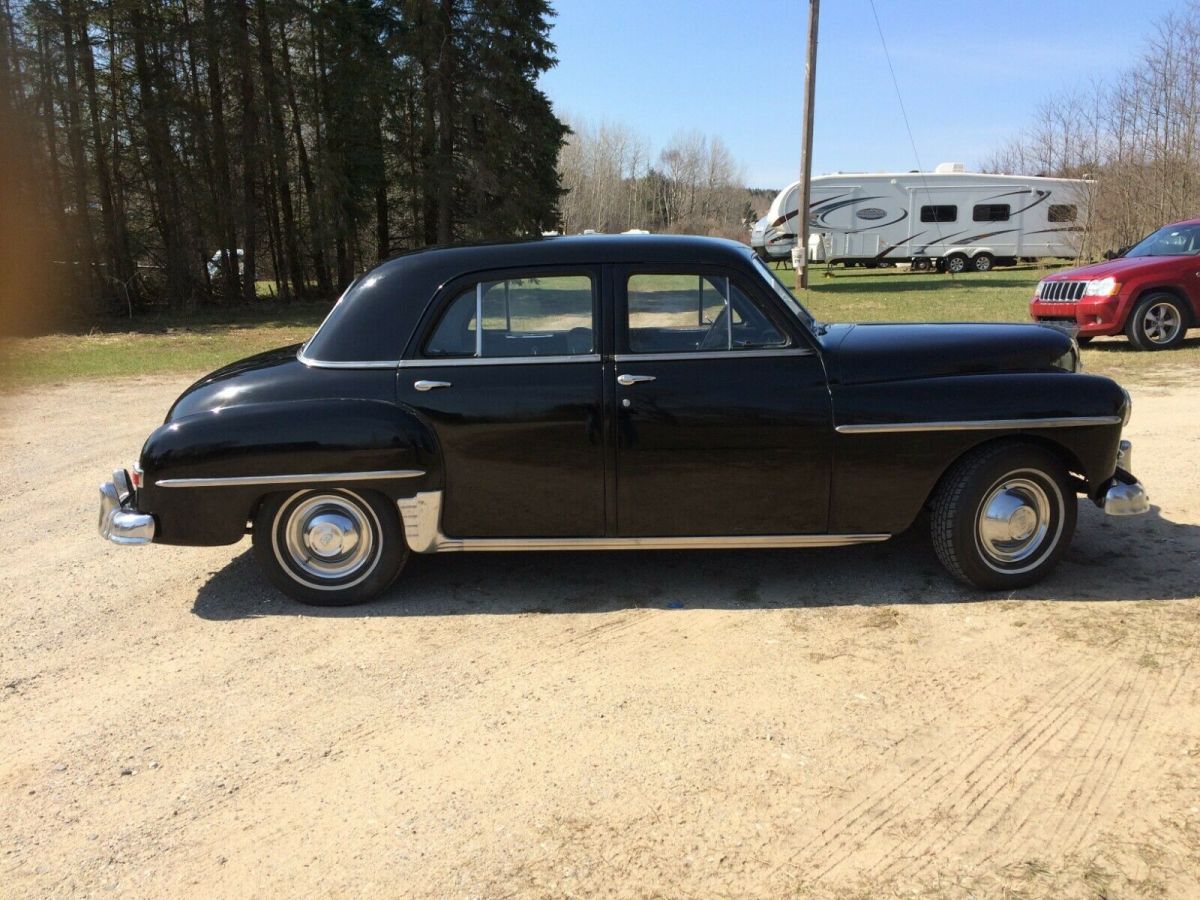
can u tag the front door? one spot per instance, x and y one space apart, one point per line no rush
724 422
509 374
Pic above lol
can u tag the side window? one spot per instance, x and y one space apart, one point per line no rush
990 212
943 213
1062 212
549 315
690 313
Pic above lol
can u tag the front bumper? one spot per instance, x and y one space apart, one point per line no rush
1093 318
120 522
1125 495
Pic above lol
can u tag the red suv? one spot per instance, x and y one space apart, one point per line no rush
1151 292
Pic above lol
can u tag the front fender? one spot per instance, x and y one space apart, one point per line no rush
882 478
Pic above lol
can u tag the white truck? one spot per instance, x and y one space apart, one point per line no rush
948 218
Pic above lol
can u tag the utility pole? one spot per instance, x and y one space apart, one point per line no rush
800 252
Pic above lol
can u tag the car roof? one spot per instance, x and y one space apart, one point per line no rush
376 316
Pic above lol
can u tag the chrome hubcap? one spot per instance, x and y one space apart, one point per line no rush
1161 323
1014 520
328 537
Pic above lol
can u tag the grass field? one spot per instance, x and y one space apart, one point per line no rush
165 344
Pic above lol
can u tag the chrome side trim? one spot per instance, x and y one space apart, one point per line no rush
340 364
499 361
713 354
421 515
245 480
980 425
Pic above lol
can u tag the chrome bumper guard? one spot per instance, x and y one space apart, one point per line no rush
1125 495
119 521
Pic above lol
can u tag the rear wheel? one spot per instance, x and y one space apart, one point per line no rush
1158 322
1003 516
983 262
329 547
956 263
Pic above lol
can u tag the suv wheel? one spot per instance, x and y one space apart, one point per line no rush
1158 322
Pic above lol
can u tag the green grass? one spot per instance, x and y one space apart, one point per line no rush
165 344
894 295
157 344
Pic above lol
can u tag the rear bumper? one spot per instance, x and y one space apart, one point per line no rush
1125 495
120 522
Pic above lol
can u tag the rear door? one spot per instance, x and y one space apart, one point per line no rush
723 415
508 371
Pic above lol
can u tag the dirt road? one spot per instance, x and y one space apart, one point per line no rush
709 724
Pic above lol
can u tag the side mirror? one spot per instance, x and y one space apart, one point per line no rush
1110 254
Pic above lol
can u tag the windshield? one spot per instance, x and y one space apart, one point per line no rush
785 295
1174 240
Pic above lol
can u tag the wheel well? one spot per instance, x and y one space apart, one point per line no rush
1174 292
1070 461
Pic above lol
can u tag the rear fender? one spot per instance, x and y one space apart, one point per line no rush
391 445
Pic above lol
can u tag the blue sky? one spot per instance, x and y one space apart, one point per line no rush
971 72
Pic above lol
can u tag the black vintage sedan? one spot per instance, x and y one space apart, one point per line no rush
603 393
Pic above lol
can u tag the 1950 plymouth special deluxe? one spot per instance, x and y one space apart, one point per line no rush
598 393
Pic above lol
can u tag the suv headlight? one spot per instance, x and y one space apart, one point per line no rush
1037 291
1102 287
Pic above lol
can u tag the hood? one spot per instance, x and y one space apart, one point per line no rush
272 375
1121 267
865 354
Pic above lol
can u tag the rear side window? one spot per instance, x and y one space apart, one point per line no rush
943 213
990 212
551 315
1062 212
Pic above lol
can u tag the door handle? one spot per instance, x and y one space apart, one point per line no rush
633 379
430 385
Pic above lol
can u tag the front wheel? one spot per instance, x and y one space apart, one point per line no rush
1003 516
1159 322
329 547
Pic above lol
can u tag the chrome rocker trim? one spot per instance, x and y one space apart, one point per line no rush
980 425
120 522
422 530
251 480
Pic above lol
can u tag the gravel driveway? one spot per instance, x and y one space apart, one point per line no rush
771 723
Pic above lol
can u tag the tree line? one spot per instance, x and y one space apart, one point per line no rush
1135 137
614 182
313 137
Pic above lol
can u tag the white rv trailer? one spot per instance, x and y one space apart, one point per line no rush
949 217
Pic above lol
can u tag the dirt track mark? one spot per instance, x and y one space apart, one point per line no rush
986 774
996 774
876 810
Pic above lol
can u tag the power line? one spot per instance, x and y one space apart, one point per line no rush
904 113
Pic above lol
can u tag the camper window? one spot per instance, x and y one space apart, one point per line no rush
939 213
1062 212
991 212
